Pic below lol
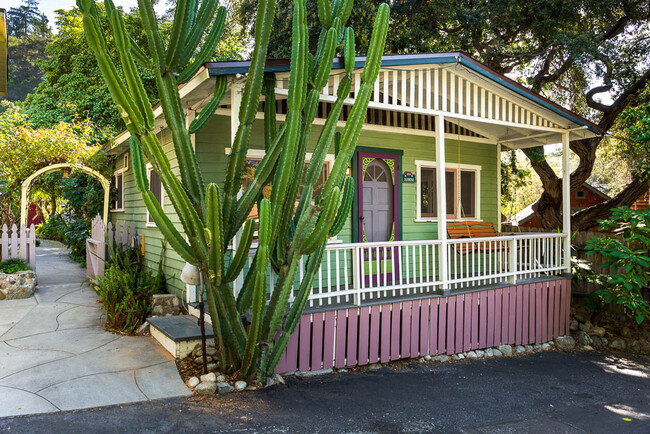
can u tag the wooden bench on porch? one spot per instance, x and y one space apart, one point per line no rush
473 229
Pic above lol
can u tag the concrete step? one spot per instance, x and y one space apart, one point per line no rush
178 334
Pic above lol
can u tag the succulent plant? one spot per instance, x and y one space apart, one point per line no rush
210 216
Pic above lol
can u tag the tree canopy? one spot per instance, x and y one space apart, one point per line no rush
29 34
589 55
24 150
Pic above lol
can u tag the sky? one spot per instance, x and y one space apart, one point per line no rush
49 6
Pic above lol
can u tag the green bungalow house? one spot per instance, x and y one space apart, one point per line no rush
424 226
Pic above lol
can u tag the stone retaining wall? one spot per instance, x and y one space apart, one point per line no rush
17 285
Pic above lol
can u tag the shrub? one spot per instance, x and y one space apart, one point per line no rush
625 255
53 228
14 265
127 288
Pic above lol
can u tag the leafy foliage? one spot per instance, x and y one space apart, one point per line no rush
127 288
54 228
72 89
25 149
13 265
625 254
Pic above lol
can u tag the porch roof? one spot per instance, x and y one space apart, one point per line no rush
475 100
490 100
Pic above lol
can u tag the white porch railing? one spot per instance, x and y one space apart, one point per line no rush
357 273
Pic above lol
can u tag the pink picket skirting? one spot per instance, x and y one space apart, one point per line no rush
530 313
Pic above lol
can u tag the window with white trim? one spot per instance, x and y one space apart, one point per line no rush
462 184
253 159
156 187
117 204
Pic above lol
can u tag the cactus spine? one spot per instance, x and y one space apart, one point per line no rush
210 216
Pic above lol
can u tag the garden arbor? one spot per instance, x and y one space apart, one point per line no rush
106 185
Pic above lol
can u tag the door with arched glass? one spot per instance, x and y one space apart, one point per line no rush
378 201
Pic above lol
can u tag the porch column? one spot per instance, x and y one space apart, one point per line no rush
566 200
441 201
236 90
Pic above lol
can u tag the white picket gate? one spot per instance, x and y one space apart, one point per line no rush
16 243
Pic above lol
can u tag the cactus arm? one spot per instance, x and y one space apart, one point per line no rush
325 221
179 28
165 225
214 224
354 124
208 111
154 39
259 291
207 49
239 260
324 13
325 64
140 56
260 180
248 110
271 358
349 50
270 124
344 210
203 19
320 152
130 113
187 213
133 80
295 102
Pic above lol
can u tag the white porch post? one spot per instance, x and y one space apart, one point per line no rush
566 200
235 104
441 200
499 222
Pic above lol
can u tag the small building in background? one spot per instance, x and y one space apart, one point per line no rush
582 198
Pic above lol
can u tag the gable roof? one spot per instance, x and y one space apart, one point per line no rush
283 65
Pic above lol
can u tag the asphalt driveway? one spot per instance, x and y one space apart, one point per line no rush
545 392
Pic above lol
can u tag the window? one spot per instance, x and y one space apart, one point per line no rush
253 159
580 194
156 187
461 189
117 204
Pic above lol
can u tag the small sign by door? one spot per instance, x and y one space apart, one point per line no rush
408 177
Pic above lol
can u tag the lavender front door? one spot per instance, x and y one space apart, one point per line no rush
378 210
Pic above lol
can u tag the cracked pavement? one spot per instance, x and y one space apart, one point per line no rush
55 354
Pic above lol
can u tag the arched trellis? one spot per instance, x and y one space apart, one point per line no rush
53 168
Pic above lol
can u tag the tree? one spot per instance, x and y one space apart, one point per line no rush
29 34
211 218
72 89
24 150
572 51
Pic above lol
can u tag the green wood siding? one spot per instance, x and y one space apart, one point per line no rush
214 138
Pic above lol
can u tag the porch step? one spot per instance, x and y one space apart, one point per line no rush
177 334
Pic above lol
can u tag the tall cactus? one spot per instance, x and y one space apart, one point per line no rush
210 217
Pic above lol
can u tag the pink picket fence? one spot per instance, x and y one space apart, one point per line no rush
100 235
531 313
19 243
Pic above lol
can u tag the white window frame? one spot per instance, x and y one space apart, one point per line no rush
420 164
162 197
117 173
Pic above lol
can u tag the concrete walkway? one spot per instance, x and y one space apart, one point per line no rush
55 354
